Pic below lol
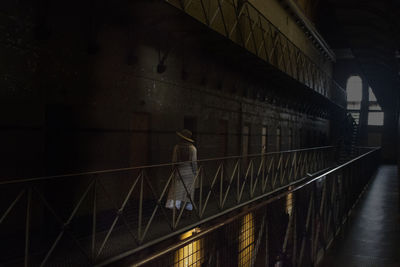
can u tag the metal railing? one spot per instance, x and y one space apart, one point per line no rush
243 24
293 228
94 217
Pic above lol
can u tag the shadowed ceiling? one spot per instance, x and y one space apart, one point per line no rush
370 30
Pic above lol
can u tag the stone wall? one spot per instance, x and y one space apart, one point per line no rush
73 104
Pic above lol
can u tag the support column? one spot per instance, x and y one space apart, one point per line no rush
389 137
363 127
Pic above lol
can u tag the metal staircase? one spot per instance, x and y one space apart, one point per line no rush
350 138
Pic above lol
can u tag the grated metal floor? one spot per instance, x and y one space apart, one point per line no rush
372 236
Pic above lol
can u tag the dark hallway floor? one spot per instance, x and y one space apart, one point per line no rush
372 236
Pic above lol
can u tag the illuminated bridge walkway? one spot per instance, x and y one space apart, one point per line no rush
282 206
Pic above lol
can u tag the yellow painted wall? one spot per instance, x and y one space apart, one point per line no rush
308 7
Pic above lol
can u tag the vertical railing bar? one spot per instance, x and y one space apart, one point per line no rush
201 193
313 225
259 172
303 243
140 206
187 5
269 172
209 193
27 226
215 13
21 193
283 50
159 198
47 205
286 238
185 202
294 252
264 32
252 30
119 212
52 248
155 209
204 12
276 172
238 14
55 243
220 185
252 185
245 180
266 242
237 182
237 20
249 35
223 17
79 203
94 220
258 241
230 182
281 166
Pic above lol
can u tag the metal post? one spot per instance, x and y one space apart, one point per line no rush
94 220
140 207
27 226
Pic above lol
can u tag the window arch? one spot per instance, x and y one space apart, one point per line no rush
354 96
354 92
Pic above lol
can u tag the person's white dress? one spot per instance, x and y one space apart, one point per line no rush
185 154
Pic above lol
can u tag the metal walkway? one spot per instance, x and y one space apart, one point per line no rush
372 237
294 227
246 26
98 218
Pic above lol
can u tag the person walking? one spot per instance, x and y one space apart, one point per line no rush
185 155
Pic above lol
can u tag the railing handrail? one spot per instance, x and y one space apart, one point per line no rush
50 177
287 38
281 33
307 57
334 169
295 186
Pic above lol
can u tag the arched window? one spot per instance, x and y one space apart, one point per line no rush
354 92
354 96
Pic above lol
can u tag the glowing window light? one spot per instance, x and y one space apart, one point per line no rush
372 97
191 254
246 241
376 118
354 89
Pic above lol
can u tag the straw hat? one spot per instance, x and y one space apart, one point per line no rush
186 135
